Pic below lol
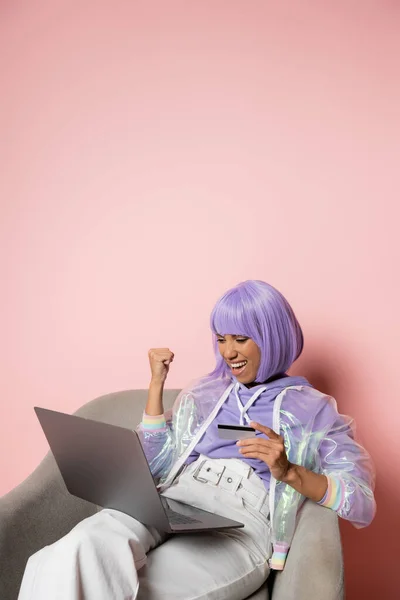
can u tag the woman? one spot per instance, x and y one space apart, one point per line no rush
302 449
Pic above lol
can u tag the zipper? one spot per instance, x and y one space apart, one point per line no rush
276 426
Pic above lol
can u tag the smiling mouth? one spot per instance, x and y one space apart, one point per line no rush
238 367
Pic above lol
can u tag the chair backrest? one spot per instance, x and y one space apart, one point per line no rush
122 408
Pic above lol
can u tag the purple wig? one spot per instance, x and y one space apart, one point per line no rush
257 310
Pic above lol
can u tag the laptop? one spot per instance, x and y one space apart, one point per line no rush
105 464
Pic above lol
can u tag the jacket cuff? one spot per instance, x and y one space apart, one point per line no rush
335 494
153 423
278 558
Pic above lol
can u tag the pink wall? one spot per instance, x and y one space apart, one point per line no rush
155 153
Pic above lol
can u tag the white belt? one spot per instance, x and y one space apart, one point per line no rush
234 479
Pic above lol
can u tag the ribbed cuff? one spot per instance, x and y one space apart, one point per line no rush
278 558
153 423
335 494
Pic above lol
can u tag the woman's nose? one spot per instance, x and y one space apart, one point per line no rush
230 351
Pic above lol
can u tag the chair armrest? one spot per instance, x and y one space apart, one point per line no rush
40 510
314 566
36 513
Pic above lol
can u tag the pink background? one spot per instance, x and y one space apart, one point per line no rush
154 154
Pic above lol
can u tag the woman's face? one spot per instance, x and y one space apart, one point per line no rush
242 355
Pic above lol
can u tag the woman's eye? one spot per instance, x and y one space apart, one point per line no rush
240 340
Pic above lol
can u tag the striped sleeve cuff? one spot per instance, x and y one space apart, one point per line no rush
153 423
335 494
278 558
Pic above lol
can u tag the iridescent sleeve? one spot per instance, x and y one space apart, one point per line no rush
165 437
350 473
157 439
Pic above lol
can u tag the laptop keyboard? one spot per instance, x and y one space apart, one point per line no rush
177 519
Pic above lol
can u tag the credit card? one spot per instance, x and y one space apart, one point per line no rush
235 432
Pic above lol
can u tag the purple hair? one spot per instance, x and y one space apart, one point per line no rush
257 310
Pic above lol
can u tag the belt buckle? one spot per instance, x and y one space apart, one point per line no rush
209 480
197 471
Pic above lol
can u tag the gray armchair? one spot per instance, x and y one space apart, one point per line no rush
40 510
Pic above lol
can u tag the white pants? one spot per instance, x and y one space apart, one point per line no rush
111 556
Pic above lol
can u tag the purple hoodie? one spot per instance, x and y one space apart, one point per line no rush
212 446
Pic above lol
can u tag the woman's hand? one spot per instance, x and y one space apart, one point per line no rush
160 360
271 451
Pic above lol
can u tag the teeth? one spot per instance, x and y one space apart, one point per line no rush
238 365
